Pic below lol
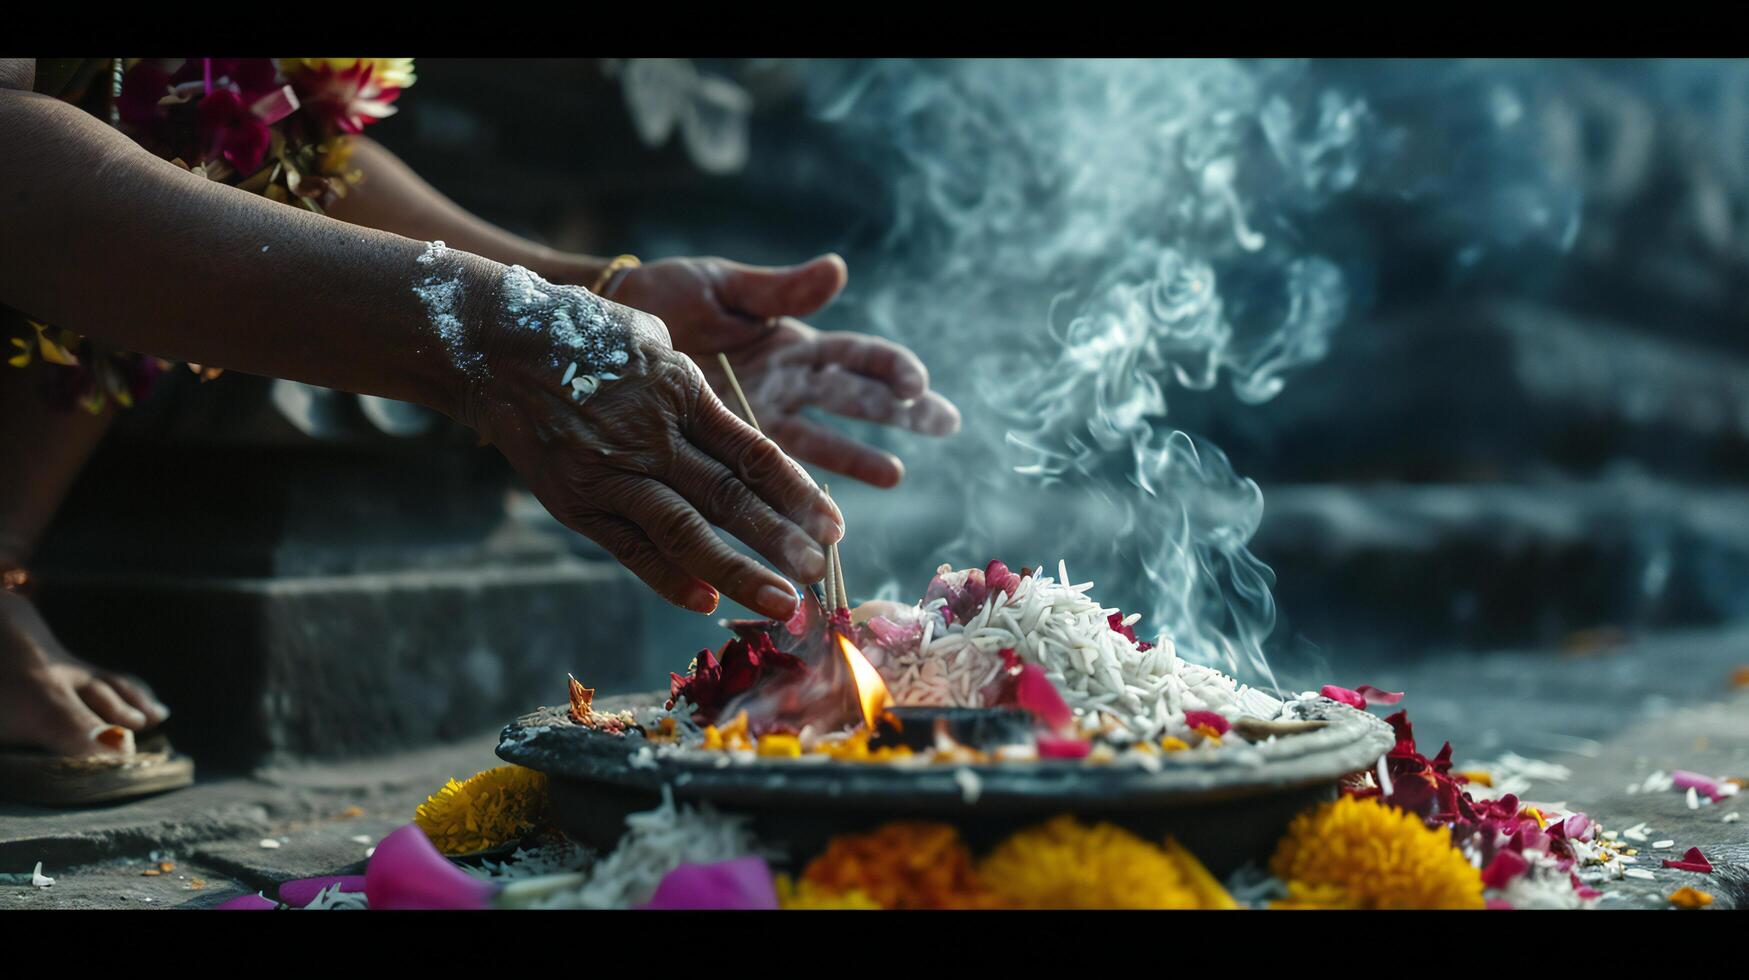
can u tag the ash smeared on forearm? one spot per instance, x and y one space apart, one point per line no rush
440 291
591 340
585 340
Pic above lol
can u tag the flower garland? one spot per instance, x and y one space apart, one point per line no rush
281 128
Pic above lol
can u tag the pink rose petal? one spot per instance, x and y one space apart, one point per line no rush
254 902
303 891
1683 779
407 872
743 883
1344 695
1361 696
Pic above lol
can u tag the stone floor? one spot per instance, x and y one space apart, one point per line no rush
1610 716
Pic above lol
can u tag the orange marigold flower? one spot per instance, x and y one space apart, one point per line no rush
902 865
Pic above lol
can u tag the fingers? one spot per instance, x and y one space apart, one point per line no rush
874 357
108 705
796 290
764 469
686 539
858 397
726 502
628 544
137 693
836 452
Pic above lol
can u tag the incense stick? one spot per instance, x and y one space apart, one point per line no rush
836 596
740 396
838 573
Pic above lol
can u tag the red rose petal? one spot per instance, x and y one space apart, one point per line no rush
1197 719
1505 866
1060 747
1694 861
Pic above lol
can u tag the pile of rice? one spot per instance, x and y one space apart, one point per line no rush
1058 626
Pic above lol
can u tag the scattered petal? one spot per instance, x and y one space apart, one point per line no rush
298 893
742 883
1694 861
254 901
407 872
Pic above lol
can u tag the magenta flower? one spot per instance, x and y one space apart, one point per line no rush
743 883
407 872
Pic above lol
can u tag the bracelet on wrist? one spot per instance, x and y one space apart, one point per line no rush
611 275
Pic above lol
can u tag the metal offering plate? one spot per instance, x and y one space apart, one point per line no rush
1227 804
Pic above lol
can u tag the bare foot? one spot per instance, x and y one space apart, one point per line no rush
50 699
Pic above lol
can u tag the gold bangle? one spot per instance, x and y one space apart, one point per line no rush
623 263
18 581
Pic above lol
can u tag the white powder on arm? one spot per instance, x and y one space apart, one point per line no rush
589 339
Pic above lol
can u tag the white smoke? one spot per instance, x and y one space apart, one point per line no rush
1061 233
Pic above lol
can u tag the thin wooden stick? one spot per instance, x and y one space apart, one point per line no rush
838 573
740 396
832 597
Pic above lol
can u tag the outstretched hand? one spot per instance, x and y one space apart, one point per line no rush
750 314
639 455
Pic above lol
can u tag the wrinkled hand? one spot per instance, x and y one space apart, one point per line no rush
650 460
785 366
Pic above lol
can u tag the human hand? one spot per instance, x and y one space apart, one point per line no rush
749 313
620 438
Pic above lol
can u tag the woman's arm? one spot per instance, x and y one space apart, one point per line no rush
394 198
710 305
103 238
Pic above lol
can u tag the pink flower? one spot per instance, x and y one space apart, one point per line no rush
348 98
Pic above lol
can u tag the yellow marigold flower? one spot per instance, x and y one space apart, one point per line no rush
1356 853
1689 897
902 865
388 72
1064 864
492 808
804 894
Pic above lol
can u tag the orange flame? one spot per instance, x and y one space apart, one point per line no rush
871 691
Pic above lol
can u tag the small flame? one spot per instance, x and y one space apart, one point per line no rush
871 691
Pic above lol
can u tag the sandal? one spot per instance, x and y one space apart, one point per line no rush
42 779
